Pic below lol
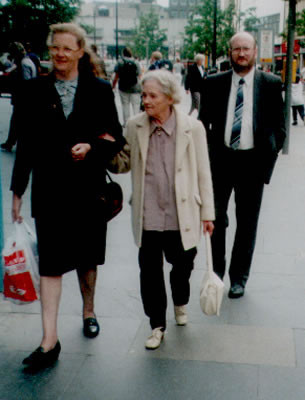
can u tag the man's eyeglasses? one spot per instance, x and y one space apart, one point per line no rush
65 50
237 50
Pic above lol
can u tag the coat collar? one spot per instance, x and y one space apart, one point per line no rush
183 134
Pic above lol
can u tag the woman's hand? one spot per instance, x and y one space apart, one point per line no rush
208 227
80 150
16 207
106 136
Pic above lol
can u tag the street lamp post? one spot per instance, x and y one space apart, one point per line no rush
288 73
116 30
214 35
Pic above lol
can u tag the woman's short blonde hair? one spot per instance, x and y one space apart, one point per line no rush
167 81
68 27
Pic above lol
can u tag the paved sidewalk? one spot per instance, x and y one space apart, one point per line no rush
255 350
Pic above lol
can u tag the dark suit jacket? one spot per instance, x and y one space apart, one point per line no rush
268 117
45 139
193 79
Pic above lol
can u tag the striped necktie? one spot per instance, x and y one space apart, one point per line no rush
236 128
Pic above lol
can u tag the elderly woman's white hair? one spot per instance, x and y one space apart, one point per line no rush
167 82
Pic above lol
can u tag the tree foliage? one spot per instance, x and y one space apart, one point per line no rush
250 20
300 23
300 26
200 28
148 37
29 20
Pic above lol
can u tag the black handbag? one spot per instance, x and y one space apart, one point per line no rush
112 198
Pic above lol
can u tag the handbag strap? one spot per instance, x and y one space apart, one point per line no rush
209 252
108 175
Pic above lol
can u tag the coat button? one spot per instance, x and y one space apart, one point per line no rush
179 169
187 229
183 199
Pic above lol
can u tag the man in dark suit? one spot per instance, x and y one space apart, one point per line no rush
194 80
242 110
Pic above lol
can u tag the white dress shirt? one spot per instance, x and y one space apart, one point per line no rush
246 134
201 70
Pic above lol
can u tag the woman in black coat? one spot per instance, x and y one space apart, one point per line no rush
65 119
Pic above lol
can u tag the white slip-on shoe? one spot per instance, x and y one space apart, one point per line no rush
154 341
180 315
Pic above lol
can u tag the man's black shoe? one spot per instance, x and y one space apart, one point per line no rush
40 359
236 291
91 328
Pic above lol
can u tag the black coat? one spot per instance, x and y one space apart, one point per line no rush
64 191
268 118
194 79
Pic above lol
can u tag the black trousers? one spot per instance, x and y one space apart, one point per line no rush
153 292
12 134
239 172
298 109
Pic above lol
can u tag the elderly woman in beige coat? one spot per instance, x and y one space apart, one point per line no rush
172 196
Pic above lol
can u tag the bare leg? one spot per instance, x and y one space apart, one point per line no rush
50 298
87 282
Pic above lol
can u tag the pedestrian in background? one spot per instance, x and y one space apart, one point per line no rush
25 69
128 72
178 69
157 62
194 81
172 197
297 100
242 111
155 59
33 56
70 111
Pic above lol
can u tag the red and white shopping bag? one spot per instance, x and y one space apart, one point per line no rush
21 277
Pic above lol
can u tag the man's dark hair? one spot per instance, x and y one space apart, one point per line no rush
127 52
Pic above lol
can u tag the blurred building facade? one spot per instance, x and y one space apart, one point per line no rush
101 18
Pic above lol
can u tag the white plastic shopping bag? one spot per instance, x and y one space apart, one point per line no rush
20 260
212 287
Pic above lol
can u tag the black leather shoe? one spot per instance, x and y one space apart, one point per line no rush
41 359
6 147
91 328
236 291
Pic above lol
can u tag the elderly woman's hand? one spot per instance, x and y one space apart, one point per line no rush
208 227
80 150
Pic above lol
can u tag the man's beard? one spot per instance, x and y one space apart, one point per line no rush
242 68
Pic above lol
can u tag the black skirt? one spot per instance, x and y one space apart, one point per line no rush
74 238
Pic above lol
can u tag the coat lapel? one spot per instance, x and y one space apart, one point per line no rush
143 133
225 90
256 97
183 130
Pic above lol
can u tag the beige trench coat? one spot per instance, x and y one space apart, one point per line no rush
193 183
